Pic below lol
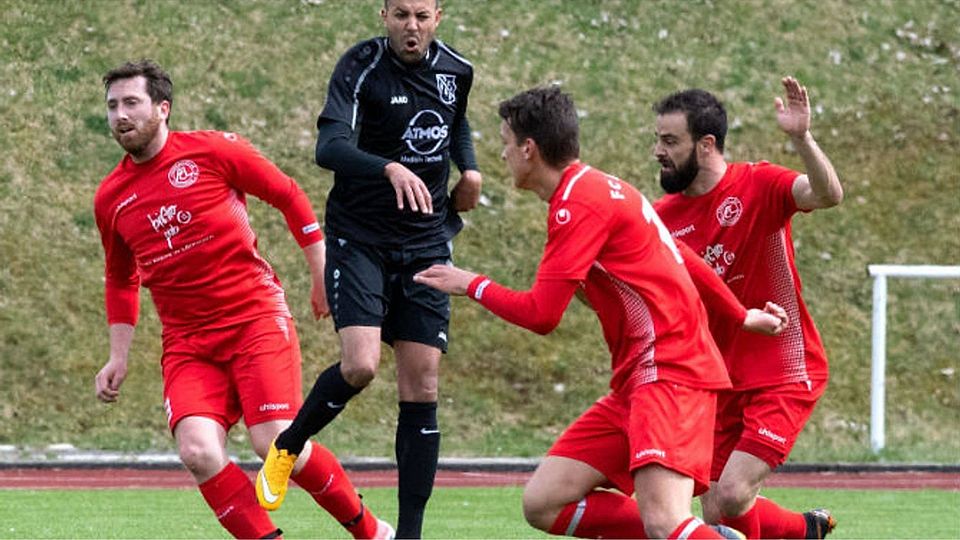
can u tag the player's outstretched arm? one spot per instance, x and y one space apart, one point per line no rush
446 278
819 187
112 374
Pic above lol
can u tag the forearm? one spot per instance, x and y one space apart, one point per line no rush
539 310
824 182
121 337
316 258
337 153
461 147
717 297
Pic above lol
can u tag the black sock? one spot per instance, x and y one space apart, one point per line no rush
417 447
326 399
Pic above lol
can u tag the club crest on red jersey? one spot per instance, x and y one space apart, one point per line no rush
729 211
563 216
184 173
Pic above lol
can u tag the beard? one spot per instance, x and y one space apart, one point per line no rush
681 177
136 142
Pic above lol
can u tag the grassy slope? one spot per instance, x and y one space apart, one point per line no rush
883 76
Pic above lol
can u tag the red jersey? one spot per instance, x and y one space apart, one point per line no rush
742 229
604 237
178 224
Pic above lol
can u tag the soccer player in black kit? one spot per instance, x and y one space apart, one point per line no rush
395 117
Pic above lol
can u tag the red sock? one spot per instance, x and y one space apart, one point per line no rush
693 529
234 501
748 523
601 514
778 522
325 480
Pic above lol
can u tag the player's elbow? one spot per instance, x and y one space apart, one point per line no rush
323 154
545 325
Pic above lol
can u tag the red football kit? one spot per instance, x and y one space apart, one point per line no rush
178 225
605 240
742 229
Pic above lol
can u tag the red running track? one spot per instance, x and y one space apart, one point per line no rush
52 478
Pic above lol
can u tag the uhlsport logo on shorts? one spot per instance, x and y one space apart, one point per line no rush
184 173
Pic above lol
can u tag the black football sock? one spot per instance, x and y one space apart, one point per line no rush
326 399
417 448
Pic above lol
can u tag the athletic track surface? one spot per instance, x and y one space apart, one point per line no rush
134 478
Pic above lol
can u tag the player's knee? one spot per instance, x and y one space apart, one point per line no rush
659 523
733 497
358 374
537 511
202 460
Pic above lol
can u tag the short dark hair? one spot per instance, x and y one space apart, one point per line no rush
386 4
159 85
705 114
549 117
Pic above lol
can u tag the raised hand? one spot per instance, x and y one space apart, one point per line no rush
794 115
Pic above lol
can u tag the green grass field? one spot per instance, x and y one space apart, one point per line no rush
453 513
884 79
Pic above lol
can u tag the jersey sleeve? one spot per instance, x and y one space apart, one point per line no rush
121 276
250 172
575 234
778 182
346 83
539 310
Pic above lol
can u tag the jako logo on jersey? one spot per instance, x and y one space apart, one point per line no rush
184 173
729 211
398 100
425 133
563 216
447 88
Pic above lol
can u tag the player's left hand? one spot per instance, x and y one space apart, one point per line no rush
466 194
318 300
446 278
794 115
770 321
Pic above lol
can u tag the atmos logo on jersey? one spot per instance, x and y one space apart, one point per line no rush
184 173
425 135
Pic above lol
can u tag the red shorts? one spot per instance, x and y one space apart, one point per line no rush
763 422
661 422
250 370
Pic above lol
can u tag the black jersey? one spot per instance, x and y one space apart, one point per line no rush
406 113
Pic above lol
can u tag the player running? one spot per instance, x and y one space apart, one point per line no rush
172 217
605 241
737 216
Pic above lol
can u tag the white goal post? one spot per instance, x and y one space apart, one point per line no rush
880 273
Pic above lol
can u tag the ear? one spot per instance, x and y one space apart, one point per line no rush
707 143
164 109
529 148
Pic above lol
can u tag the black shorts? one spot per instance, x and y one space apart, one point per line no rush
372 286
